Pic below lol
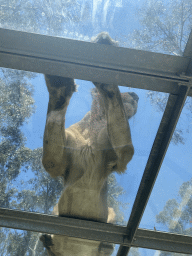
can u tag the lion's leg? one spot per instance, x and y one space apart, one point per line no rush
60 91
117 125
47 242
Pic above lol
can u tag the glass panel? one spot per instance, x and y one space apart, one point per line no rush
19 242
25 185
170 205
149 252
151 25
144 126
116 248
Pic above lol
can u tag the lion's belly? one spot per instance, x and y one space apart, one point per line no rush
82 196
69 246
85 203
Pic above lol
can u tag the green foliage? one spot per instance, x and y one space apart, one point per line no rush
41 16
177 214
165 28
16 106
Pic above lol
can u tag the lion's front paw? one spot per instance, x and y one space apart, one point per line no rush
108 89
60 91
46 240
60 86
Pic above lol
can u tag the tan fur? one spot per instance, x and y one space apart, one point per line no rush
84 155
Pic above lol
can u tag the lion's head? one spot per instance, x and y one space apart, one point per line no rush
129 99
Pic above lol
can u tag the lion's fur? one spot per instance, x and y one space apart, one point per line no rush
84 155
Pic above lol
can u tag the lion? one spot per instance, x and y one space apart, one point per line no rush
85 154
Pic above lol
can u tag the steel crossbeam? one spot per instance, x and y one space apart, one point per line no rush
94 231
93 62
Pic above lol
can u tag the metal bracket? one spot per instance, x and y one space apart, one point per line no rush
189 78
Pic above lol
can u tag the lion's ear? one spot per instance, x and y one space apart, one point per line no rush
111 215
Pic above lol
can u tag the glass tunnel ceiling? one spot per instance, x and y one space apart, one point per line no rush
157 153
129 68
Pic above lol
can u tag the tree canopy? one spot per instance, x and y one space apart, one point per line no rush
164 27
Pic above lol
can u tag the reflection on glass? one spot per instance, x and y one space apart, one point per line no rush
144 126
170 205
136 24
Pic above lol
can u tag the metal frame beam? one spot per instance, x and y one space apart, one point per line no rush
92 62
94 231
